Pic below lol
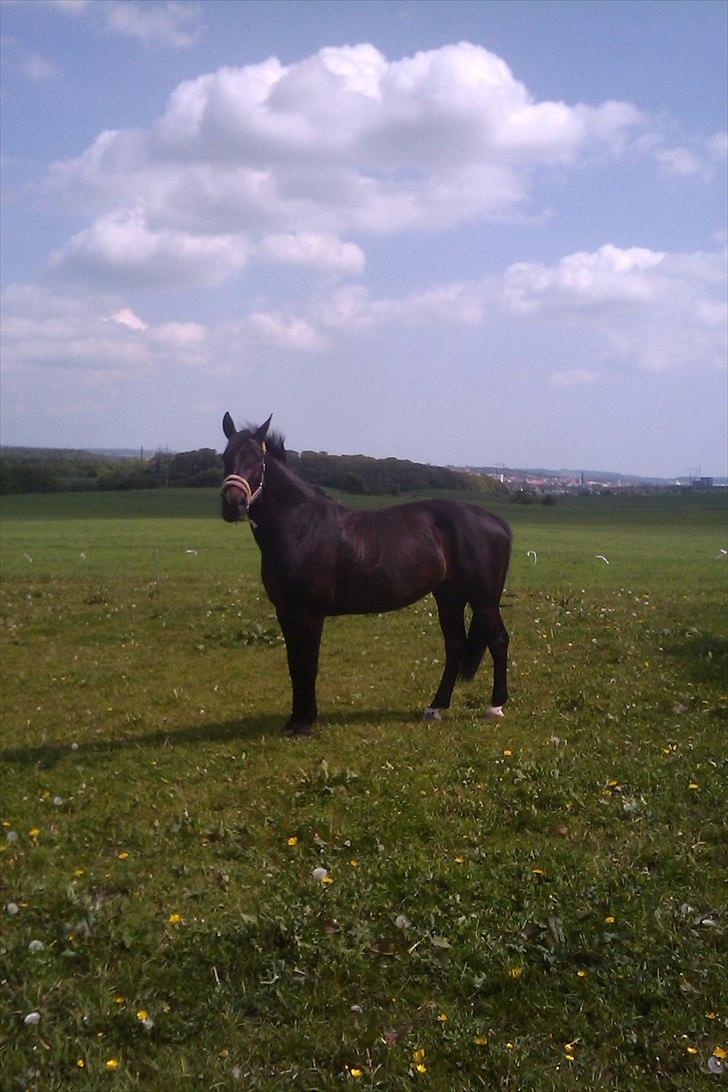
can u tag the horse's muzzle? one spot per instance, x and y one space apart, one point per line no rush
233 506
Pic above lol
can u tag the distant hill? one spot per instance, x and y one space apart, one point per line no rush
51 470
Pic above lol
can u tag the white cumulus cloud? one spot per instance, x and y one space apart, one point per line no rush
297 156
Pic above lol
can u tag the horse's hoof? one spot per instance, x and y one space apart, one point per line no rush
494 711
296 728
431 714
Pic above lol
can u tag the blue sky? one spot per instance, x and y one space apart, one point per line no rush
461 233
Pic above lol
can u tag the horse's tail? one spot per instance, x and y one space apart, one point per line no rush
475 646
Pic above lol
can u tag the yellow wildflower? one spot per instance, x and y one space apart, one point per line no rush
354 863
119 999
418 1054
79 871
692 1050
516 972
174 919
34 832
720 1052
293 841
459 860
442 1017
610 919
693 785
510 1046
480 1040
711 1015
328 879
356 1072
508 752
421 1067
112 1063
142 1014
123 855
582 973
80 1063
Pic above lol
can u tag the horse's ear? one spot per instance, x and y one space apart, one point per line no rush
262 432
228 426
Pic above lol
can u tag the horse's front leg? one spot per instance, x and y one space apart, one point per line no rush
302 633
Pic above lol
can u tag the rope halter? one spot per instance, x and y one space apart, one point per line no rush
237 481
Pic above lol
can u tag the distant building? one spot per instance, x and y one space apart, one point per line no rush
703 483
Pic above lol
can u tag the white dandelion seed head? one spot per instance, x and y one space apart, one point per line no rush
402 921
320 874
32 1019
11 836
36 946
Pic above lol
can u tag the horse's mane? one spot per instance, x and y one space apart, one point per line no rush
274 442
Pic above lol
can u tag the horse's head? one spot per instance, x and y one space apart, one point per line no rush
244 466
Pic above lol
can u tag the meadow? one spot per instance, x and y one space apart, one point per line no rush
536 903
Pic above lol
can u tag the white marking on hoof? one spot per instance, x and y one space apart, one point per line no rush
432 714
494 711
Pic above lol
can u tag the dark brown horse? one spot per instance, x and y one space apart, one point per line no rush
320 558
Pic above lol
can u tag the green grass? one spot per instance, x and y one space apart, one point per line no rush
144 690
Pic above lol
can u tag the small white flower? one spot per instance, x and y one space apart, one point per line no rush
36 946
31 1019
320 874
12 908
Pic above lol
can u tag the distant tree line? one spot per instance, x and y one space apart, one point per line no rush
42 470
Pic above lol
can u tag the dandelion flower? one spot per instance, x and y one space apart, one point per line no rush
459 860
123 855
442 1017
693 785
508 752
293 841
692 1050
34 832
356 1072
711 1015
79 871
720 1052
510 1046
328 879
354 863
419 1054
582 973
610 919
112 1063
480 1040
421 1067
119 999
174 919
80 1063
142 1014
516 972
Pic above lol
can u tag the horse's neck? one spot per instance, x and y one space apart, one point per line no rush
283 493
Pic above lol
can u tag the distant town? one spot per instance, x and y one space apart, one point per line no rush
555 482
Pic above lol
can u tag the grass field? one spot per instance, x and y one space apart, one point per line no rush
531 904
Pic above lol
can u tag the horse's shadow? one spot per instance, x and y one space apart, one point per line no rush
243 729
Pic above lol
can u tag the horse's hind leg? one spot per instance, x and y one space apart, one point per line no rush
451 611
498 645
